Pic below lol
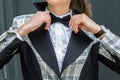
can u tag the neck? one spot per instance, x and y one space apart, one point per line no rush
59 10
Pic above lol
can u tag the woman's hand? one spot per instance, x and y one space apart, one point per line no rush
34 23
82 21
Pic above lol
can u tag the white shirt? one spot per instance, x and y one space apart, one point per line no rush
60 36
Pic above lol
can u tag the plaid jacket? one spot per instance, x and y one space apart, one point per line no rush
38 58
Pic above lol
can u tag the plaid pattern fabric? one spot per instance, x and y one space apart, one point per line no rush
47 72
110 44
72 72
7 37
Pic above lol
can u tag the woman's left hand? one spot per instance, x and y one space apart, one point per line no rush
82 21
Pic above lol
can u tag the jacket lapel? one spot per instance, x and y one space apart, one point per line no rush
42 43
78 43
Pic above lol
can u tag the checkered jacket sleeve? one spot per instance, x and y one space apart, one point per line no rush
109 51
9 40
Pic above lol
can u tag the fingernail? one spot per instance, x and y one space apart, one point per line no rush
46 28
71 27
69 23
75 32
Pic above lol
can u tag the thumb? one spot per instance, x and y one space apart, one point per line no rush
47 25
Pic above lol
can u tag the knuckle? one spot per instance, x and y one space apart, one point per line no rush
39 12
73 17
83 16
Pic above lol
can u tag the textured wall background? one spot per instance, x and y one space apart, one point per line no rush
106 12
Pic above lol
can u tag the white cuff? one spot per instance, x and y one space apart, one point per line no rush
19 37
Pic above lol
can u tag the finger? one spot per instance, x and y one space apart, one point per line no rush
75 25
73 18
47 26
76 28
71 24
48 22
78 21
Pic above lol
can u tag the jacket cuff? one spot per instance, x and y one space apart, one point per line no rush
111 43
7 38
108 36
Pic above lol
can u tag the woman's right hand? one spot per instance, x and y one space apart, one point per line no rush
35 22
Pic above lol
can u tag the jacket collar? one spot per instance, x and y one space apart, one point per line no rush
41 6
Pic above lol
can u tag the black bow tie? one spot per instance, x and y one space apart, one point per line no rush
65 20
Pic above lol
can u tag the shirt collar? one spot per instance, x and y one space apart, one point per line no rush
70 13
